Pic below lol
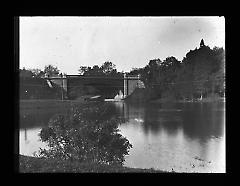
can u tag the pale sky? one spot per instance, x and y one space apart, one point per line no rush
128 42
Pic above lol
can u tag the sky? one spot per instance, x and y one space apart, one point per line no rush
128 42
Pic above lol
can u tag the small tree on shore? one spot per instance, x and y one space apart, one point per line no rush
85 137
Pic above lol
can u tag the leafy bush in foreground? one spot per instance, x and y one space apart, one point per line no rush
84 136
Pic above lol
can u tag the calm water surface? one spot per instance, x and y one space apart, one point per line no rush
185 137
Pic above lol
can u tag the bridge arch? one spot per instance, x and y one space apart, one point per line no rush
127 84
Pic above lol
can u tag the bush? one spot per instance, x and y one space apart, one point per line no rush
85 136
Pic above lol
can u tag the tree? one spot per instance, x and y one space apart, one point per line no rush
203 67
201 77
184 83
217 76
150 72
108 67
86 136
50 70
83 69
200 73
96 71
37 72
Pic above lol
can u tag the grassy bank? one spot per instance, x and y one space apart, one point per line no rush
29 164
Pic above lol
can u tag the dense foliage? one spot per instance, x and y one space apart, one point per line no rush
33 86
200 74
49 70
37 88
86 136
106 69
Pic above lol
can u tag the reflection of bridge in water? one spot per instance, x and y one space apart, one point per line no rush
130 111
108 87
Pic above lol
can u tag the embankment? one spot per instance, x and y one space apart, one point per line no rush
29 164
141 95
150 95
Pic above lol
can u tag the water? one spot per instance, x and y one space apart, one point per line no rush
185 137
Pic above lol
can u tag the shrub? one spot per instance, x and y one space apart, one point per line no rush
84 135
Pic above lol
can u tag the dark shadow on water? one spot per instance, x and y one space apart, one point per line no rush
198 120
203 121
32 118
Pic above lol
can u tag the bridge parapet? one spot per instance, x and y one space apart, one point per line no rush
127 83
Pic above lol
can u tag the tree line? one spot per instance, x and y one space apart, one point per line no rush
200 74
49 70
33 86
106 69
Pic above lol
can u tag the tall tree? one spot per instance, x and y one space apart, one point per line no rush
50 70
200 73
96 71
151 71
108 67
83 69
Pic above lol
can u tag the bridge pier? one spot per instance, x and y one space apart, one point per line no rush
125 88
130 82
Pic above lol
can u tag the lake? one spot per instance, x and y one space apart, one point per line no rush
185 137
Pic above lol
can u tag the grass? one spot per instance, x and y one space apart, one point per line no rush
29 164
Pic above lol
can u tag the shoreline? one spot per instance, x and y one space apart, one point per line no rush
28 164
37 104
204 100
43 103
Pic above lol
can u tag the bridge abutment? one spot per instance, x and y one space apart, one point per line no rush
130 83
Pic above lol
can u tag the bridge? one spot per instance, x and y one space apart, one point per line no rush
108 87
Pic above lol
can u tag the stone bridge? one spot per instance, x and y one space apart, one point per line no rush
108 87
